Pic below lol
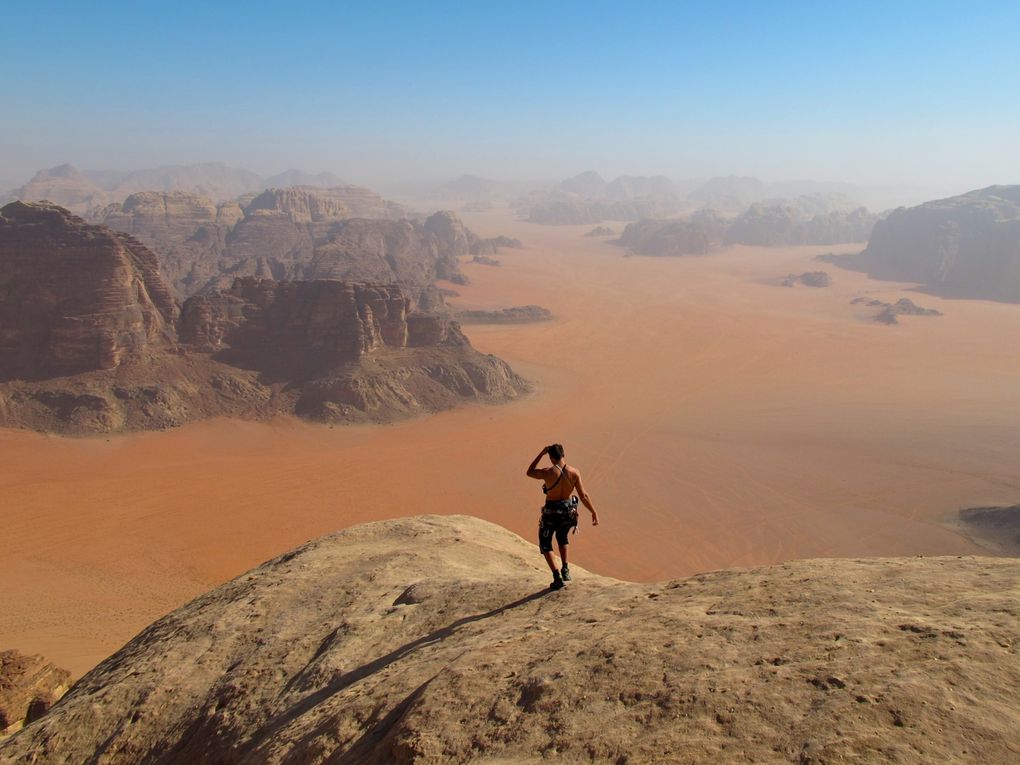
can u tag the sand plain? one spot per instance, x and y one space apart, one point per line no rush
718 419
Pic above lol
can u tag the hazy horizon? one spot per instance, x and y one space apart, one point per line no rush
914 95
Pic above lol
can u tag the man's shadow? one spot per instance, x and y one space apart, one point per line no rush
348 679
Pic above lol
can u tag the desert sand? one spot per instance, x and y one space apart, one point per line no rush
449 652
718 419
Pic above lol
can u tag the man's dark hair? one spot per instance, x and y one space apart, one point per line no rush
556 451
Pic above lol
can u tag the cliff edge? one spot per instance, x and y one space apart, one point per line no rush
434 639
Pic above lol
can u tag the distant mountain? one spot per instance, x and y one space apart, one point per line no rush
212 179
779 224
82 191
588 198
963 246
64 185
729 194
301 178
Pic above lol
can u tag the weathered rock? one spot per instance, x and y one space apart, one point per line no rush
964 246
187 232
601 231
75 297
435 639
888 312
29 685
492 245
89 332
778 224
698 234
808 279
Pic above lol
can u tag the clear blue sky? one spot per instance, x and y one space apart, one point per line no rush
909 92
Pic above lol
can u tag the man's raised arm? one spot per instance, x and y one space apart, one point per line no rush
533 471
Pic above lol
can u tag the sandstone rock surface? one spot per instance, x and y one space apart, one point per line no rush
887 312
29 685
435 639
697 234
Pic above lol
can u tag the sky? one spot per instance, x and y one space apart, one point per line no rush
915 93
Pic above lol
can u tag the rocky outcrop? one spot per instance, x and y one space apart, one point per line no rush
29 686
779 224
601 231
311 204
964 246
435 639
697 234
808 279
75 297
188 233
492 245
997 528
887 312
521 314
90 339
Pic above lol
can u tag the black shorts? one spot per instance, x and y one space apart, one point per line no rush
559 522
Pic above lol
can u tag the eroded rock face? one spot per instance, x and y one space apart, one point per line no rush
65 186
89 336
188 233
29 685
297 326
436 639
75 297
963 246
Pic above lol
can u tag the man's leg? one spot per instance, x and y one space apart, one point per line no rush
551 562
563 556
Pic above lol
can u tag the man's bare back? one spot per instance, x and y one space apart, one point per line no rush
559 514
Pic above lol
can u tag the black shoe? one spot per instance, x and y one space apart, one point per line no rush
565 573
557 582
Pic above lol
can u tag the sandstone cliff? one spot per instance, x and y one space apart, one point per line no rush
964 246
188 233
90 339
75 297
435 639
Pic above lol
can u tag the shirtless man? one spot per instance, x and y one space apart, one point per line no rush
559 514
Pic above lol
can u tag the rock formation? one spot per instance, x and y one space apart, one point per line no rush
485 260
778 224
964 246
74 297
994 527
493 244
90 339
808 279
601 231
888 312
697 234
294 233
188 233
522 314
435 639
29 685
